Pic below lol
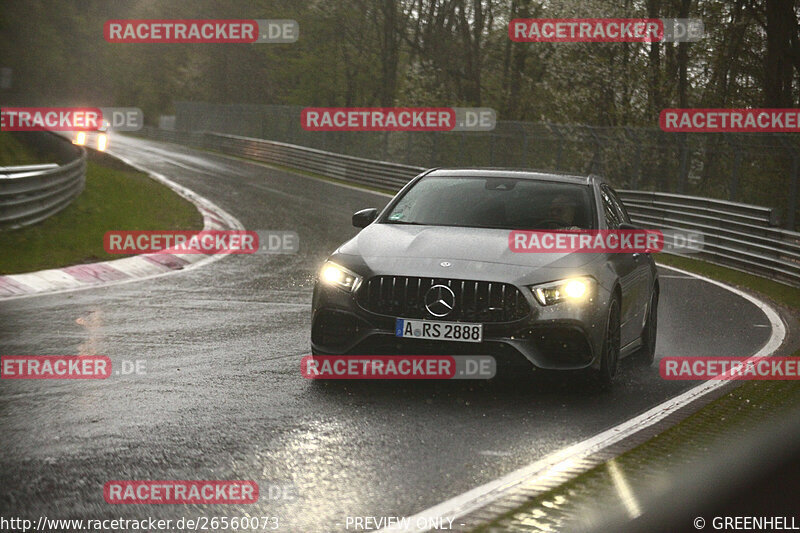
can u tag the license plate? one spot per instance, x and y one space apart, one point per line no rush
440 331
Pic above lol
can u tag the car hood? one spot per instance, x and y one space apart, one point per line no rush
472 253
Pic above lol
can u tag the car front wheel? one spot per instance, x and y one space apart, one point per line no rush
647 352
609 361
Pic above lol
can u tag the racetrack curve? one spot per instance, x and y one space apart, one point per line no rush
223 397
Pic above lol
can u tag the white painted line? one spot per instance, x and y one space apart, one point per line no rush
561 460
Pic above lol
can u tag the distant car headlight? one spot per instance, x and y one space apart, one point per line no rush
571 289
333 274
80 138
101 142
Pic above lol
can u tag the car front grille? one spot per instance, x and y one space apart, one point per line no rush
475 301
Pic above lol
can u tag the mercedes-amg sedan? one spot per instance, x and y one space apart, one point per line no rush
433 273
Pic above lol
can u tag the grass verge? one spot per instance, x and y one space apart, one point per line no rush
13 152
116 197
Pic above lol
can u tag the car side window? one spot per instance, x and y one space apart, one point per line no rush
618 205
611 214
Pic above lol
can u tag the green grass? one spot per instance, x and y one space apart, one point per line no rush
116 197
13 152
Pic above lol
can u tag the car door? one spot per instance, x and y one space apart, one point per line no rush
628 268
642 280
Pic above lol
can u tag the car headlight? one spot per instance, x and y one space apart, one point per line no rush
337 275
101 142
571 289
80 138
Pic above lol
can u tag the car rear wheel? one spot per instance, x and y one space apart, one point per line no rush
609 361
647 353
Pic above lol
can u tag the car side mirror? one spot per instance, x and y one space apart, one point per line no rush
627 226
365 217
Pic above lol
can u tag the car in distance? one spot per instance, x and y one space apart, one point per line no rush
433 273
100 139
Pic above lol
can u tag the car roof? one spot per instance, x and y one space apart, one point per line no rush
521 173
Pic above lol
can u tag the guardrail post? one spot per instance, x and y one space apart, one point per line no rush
491 149
434 148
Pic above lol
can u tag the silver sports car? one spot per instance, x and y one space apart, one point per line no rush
433 273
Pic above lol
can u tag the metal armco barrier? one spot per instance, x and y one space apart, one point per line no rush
738 235
378 174
32 193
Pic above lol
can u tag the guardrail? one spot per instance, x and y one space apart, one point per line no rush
377 174
737 235
32 193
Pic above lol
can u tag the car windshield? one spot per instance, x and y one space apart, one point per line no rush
493 202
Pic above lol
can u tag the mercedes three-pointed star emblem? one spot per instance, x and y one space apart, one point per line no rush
440 300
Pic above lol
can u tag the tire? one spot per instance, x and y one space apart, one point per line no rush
647 353
609 359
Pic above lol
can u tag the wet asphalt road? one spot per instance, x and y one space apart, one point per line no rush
223 398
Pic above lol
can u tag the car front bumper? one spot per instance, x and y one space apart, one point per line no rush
562 336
